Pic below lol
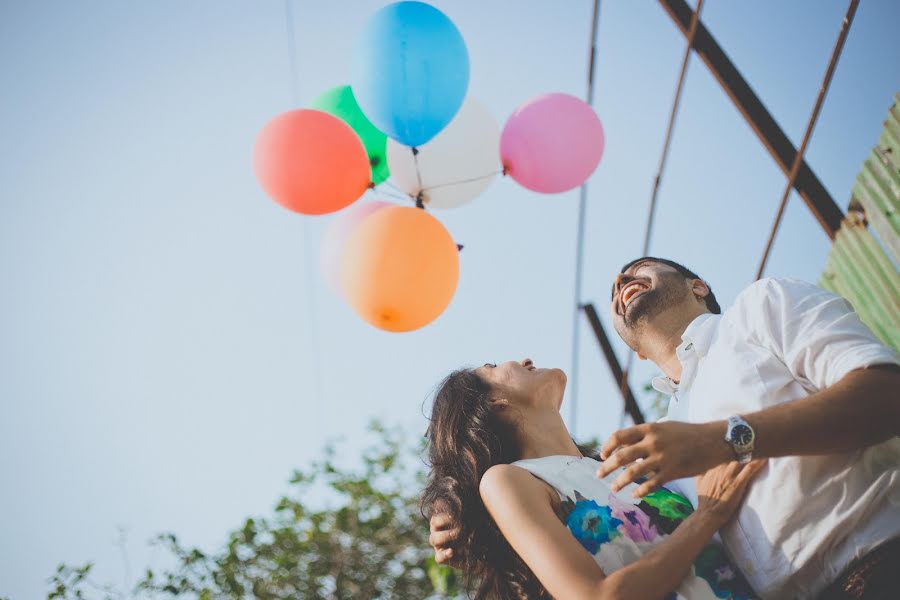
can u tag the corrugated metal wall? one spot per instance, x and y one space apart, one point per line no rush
860 268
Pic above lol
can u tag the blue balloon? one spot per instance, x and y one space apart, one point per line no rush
410 71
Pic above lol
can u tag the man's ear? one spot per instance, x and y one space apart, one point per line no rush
498 402
699 288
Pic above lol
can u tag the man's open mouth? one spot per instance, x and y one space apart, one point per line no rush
632 291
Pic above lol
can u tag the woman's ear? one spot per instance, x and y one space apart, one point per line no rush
498 402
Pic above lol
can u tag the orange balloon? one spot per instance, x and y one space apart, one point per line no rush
400 269
311 162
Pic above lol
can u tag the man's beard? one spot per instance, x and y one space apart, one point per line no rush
652 302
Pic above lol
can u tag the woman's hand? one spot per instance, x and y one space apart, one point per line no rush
721 489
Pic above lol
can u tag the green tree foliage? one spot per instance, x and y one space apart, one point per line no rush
364 538
75 583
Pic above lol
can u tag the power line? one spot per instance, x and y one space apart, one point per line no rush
657 181
648 232
579 244
292 52
311 310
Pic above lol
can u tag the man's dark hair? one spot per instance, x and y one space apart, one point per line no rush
711 303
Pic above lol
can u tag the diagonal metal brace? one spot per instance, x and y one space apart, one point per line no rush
758 117
631 405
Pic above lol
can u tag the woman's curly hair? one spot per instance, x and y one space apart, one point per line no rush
466 438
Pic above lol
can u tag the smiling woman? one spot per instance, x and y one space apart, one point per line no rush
516 503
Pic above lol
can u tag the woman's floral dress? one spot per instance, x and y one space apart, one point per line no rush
618 529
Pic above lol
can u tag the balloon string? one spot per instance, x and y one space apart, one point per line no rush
391 195
420 201
388 183
461 182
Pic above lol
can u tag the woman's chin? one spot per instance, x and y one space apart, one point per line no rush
561 376
559 381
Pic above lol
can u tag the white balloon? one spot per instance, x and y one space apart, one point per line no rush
454 167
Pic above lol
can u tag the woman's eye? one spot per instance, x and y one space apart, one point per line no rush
491 365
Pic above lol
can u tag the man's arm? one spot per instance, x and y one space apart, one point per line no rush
860 410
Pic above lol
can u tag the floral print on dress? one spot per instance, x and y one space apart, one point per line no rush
591 524
725 581
635 522
657 515
666 509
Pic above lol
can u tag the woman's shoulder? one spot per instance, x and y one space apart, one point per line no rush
501 477
504 483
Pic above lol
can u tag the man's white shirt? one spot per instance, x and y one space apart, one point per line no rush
805 519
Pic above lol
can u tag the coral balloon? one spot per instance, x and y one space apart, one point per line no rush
336 235
410 71
552 143
310 162
340 102
400 269
457 165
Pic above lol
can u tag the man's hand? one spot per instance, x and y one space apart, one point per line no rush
662 452
443 534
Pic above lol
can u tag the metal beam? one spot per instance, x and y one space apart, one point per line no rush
751 107
631 405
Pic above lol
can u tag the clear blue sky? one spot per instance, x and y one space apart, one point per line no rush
158 367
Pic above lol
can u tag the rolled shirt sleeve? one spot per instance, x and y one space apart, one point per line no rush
815 333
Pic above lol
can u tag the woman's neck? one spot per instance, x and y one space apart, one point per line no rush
542 432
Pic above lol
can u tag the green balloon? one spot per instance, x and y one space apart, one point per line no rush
340 102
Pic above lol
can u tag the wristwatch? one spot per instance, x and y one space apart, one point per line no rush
740 436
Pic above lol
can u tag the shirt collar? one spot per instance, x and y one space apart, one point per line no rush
664 385
697 337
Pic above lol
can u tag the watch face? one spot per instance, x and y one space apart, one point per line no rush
741 435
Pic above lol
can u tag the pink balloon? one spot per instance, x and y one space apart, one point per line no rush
552 143
336 236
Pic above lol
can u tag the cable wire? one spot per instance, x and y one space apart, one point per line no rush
579 243
311 312
813 117
657 181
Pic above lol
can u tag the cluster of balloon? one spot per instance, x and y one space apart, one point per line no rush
407 116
